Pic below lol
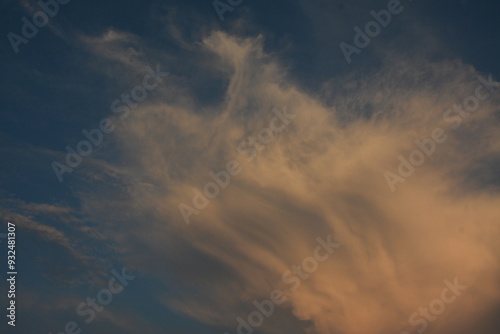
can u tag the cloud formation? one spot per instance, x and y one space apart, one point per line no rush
324 174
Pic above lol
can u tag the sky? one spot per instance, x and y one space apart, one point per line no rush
240 167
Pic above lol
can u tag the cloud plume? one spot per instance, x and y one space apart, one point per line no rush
323 174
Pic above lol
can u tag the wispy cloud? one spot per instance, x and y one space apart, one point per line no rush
321 176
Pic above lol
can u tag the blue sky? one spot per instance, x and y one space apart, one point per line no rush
217 84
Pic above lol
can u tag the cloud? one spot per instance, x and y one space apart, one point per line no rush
322 175
54 235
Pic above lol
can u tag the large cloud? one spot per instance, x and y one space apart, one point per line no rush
323 174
